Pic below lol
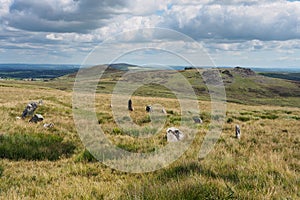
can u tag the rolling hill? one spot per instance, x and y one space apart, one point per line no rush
36 162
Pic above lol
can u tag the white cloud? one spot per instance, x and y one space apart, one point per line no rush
4 7
53 36
264 21
236 27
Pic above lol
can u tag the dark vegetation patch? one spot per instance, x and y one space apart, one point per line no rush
104 118
186 191
1 170
296 117
269 116
85 156
243 118
287 76
136 147
35 73
144 120
34 147
229 120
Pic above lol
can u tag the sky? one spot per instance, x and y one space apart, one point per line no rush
250 33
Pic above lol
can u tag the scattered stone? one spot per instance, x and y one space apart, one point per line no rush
18 118
237 132
174 135
51 125
30 108
245 72
130 107
149 108
36 118
41 102
163 111
197 120
227 72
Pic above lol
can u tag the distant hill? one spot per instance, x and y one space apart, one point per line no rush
35 71
287 76
242 85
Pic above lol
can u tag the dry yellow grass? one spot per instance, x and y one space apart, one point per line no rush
263 164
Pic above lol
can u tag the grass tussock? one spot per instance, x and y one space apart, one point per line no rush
53 163
34 147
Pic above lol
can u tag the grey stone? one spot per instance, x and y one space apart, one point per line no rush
197 120
30 108
51 125
237 132
36 118
174 135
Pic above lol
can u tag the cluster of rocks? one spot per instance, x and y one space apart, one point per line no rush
245 72
174 134
35 118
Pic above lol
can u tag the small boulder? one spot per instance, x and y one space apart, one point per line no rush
174 135
36 118
51 125
197 120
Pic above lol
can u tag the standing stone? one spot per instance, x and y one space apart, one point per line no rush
237 132
130 107
174 135
29 110
163 111
149 108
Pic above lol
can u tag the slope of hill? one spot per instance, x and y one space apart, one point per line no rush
287 76
242 85
35 71
38 162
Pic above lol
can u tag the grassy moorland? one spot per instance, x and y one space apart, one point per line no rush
39 163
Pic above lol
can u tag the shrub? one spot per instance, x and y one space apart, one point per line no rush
170 112
270 116
296 117
144 120
175 120
229 120
243 118
1 170
205 116
86 156
34 147
117 131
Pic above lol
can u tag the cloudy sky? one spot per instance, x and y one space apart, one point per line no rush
253 33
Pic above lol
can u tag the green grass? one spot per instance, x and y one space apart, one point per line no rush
85 156
34 147
243 118
38 162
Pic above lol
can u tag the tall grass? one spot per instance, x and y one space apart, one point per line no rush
40 163
34 147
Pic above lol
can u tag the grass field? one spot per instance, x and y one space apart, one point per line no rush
263 164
